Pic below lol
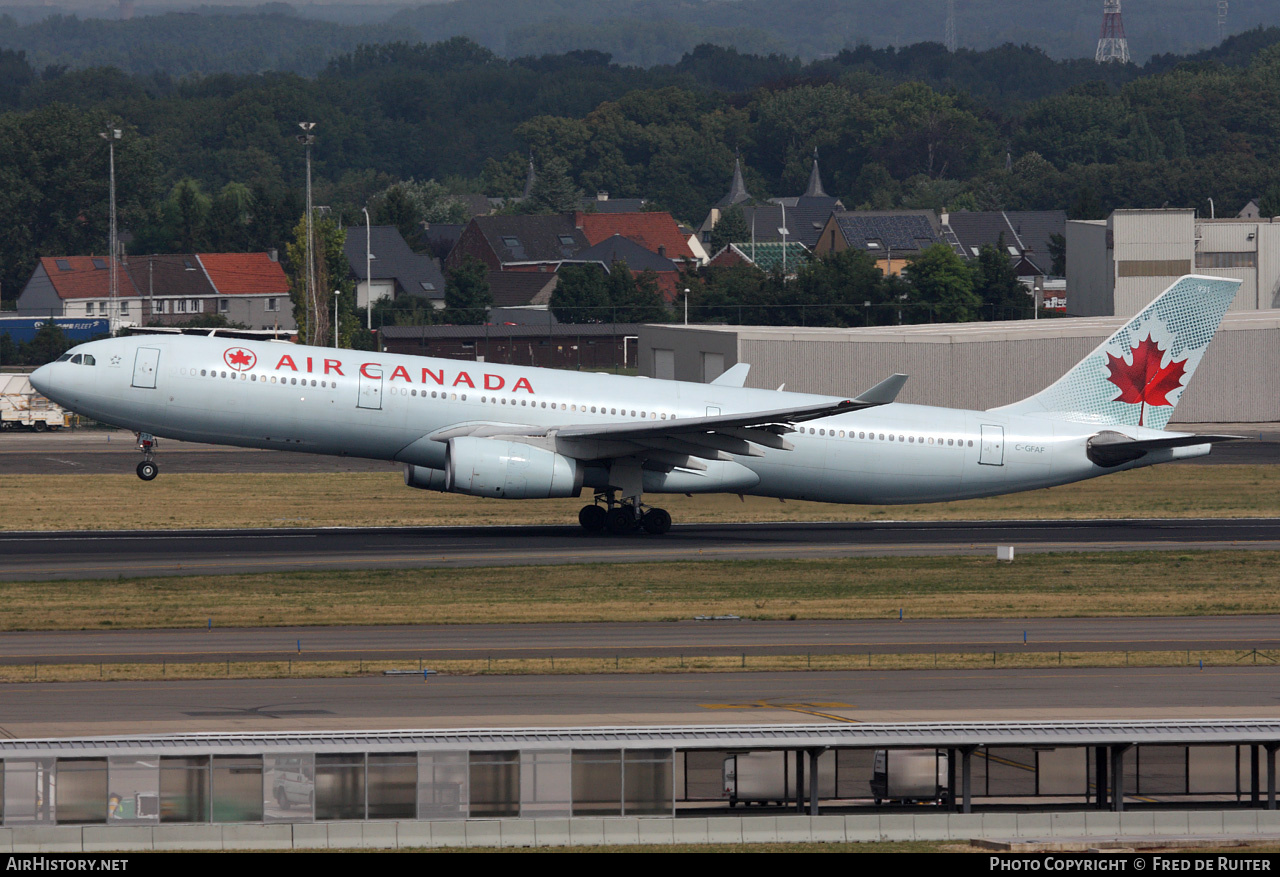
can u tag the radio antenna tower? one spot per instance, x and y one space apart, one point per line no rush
1112 45
1222 20
950 38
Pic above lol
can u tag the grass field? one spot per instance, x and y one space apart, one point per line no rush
1157 583
176 500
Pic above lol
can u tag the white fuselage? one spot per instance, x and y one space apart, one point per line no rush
385 406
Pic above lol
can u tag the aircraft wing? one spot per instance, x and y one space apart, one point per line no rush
717 437
681 442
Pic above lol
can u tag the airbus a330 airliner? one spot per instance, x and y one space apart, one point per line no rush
513 432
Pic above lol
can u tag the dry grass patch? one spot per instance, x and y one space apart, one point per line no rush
1158 583
178 501
552 666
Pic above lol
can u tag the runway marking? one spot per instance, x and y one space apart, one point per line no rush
808 709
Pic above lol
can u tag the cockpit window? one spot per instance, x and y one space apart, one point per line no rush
63 358
75 359
89 360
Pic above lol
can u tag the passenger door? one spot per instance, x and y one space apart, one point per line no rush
145 365
370 387
992 452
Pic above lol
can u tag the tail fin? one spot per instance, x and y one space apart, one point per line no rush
1136 377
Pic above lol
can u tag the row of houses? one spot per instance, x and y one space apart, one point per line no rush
523 254
246 288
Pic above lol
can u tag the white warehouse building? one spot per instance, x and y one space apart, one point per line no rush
965 365
1117 265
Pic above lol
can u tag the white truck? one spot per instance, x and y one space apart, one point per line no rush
22 407
907 776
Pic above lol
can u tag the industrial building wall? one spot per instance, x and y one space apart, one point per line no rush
667 352
1090 274
1237 382
1151 249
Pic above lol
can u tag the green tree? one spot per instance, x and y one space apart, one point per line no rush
553 190
581 295
230 219
634 298
467 297
189 208
332 276
996 284
395 207
731 229
49 343
941 281
1058 253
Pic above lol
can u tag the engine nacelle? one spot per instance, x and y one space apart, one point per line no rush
424 478
509 470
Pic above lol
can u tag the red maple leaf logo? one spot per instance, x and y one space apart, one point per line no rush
1145 382
240 359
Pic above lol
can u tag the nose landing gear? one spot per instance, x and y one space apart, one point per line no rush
147 469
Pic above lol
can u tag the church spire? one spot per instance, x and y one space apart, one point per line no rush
737 189
815 180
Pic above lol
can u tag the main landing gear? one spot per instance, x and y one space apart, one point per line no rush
622 518
147 469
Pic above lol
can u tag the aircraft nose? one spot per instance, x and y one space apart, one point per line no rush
41 378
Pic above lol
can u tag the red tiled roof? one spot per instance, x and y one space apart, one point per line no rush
649 230
244 273
85 280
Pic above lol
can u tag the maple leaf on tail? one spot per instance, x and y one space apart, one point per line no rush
1145 382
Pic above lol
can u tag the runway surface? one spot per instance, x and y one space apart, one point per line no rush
72 555
68 709
480 641
112 452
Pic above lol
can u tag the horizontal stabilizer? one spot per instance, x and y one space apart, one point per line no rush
882 393
1112 448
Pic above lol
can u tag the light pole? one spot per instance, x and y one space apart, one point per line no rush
686 305
368 270
111 135
336 293
306 138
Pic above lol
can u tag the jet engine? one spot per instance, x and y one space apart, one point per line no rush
423 477
509 470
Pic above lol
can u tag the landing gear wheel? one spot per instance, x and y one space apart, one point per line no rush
593 518
656 522
147 470
620 520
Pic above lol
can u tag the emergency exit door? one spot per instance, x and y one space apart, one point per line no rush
145 364
992 452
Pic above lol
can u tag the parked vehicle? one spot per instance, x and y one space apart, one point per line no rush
909 776
21 407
